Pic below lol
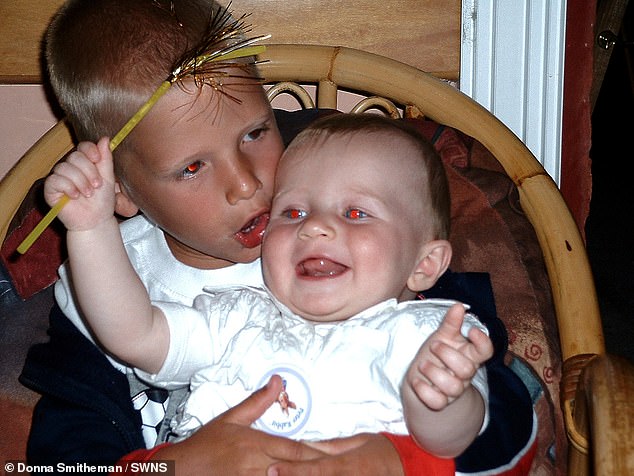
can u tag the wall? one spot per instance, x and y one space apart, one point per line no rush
25 116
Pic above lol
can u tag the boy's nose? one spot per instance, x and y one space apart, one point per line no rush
316 226
242 182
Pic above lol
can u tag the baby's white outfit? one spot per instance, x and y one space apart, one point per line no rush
340 378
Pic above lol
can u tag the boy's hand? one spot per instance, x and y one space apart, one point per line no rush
367 454
87 178
447 361
227 445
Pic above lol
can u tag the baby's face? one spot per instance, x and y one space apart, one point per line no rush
203 171
347 224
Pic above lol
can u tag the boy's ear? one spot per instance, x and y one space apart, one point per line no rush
124 205
433 261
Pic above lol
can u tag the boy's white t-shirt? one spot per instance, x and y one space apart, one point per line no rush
165 278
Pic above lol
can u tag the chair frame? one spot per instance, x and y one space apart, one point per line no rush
597 415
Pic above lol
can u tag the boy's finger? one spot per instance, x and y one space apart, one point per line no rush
370 455
254 407
340 445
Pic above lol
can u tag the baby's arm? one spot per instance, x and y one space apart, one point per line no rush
111 296
443 410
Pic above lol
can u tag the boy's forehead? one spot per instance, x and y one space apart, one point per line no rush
189 103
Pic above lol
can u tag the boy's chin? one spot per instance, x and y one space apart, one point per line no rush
248 255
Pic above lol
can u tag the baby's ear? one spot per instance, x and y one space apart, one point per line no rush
433 261
124 205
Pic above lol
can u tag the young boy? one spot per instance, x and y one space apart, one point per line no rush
200 169
342 247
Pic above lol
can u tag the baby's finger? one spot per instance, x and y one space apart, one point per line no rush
72 180
57 186
452 322
443 380
454 360
90 150
87 167
430 395
482 345
106 165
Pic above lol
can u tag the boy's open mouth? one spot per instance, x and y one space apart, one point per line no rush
251 235
319 268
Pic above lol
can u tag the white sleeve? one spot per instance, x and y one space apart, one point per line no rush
191 345
65 298
199 334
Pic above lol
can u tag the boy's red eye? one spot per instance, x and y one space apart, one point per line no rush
192 169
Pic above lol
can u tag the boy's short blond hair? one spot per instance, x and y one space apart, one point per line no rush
105 58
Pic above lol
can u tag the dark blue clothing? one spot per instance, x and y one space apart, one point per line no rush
85 413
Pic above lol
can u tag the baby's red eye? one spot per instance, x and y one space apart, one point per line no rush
294 213
355 214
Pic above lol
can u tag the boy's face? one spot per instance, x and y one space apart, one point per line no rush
203 171
347 225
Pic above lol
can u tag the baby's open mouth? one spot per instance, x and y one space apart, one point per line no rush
320 268
252 233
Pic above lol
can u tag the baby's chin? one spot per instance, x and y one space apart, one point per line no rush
320 313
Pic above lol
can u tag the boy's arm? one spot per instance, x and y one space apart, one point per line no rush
443 410
112 297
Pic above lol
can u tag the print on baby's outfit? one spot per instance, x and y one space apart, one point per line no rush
292 410
284 400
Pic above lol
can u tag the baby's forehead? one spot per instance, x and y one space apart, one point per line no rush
381 149
361 154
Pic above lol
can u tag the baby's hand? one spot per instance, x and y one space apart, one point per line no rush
87 178
447 361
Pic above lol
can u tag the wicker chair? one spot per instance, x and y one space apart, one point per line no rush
597 416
